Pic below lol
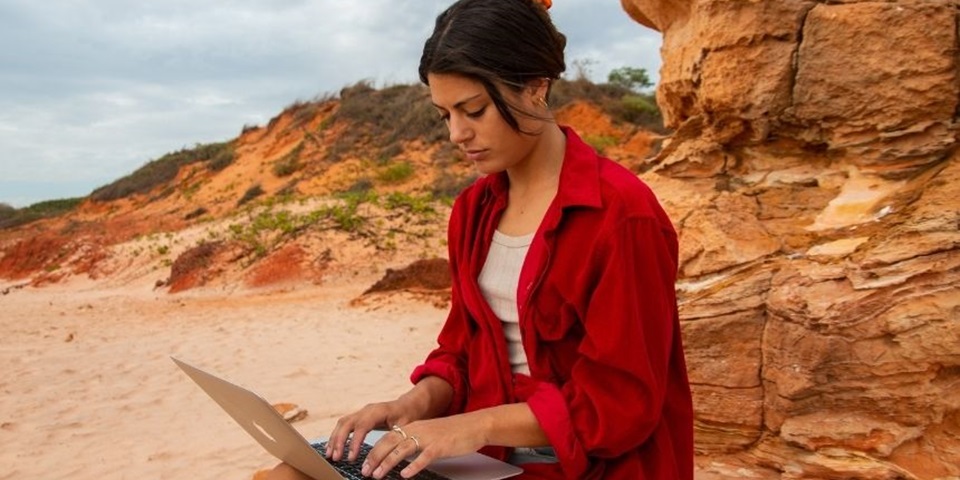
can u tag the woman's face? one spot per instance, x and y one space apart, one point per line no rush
476 125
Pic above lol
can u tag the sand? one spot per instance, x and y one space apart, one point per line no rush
89 390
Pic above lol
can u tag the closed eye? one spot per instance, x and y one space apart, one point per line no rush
478 113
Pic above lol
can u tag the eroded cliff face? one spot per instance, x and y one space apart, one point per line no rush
814 177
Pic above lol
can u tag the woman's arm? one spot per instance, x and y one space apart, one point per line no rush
629 363
511 425
429 398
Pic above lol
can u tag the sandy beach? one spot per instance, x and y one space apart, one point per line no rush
89 390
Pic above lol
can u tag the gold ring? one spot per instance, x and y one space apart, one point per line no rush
396 428
415 442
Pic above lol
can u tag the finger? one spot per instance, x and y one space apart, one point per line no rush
338 438
391 460
418 464
359 434
375 455
332 439
383 456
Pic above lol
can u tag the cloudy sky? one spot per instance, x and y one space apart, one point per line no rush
90 90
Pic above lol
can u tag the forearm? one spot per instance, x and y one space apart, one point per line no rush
511 425
429 398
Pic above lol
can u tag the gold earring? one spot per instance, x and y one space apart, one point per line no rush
543 102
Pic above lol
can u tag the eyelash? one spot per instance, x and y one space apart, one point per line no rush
477 114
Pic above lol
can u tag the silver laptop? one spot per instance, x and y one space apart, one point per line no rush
278 437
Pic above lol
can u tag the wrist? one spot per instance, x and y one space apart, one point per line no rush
485 425
429 398
413 406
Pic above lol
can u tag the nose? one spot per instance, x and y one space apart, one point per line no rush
460 132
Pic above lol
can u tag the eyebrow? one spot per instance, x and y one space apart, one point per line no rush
460 104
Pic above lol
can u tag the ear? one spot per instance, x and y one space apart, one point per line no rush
538 89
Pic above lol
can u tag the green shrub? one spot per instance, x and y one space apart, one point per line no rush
600 142
396 173
190 190
618 101
639 109
389 152
223 158
268 228
6 211
392 114
304 112
448 186
251 193
361 186
289 163
165 169
197 213
631 78
288 191
50 208
357 197
12 217
345 217
414 204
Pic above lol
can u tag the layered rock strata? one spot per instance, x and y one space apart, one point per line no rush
814 177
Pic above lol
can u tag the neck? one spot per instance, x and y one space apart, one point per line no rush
542 169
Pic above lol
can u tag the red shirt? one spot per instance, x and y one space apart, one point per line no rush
598 316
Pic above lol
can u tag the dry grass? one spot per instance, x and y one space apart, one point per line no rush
161 171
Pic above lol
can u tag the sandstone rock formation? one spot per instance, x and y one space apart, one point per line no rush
814 177
290 412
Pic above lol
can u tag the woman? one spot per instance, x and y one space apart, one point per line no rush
562 349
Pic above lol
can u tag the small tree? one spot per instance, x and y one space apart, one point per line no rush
6 211
581 68
631 78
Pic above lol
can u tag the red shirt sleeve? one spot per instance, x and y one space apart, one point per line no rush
613 399
449 360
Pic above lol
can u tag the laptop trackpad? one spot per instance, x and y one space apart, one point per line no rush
475 466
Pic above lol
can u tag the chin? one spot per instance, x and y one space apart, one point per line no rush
484 168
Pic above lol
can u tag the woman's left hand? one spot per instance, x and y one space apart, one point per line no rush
429 440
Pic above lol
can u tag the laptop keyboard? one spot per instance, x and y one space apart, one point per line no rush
351 470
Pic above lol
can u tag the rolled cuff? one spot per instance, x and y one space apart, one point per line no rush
549 407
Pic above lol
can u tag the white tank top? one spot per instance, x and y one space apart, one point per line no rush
498 280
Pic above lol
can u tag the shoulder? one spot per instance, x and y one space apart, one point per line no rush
632 214
589 178
623 194
611 192
624 191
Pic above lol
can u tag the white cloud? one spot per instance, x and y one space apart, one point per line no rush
91 90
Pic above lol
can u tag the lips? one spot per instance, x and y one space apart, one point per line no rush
475 155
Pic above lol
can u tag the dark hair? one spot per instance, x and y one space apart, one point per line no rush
505 42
